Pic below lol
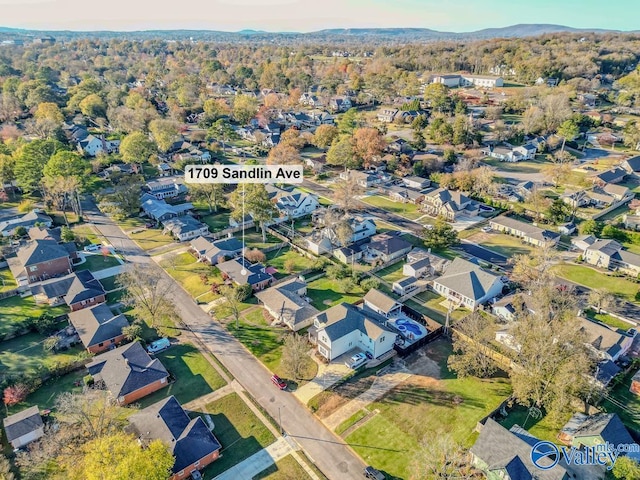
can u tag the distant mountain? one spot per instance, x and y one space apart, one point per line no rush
333 35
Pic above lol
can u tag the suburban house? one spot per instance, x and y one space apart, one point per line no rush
292 203
40 260
340 103
509 306
184 228
417 183
326 239
635 383
466 284
345 327
511 154
159 210
364 179
78 290
387 115
449 204
242 272
632 166
567 228
527 232
24 427
615 175
287 304
213 251
437 264
588 430
28 220
610 255
405 285
167 187
349 255
418 268
128 373
632 220
386 247
506 454
399 193
98 327
90 144
190 441
381 303
605 342
45 233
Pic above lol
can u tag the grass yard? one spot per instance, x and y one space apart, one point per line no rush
86 234
216 221
278 258
428 303
253 239
151 238
593 279
7 282
529 166
194 375
542 428
324 293
627 404
414 411
95 262
608 320
506 245
286 468
391 273
187 271
109 283
408 210
16 311
45 396
132 223
239 431
25 355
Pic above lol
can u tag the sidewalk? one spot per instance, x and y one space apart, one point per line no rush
258 462
108 272
201 402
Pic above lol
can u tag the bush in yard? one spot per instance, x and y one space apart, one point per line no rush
44 324
289 265
20 232
15 394
245 291
369 283
255 256
88 380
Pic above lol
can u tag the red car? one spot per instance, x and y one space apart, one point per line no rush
278 382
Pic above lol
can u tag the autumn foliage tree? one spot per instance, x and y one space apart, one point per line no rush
368 144
15 394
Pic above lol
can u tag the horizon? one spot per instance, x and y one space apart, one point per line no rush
304 16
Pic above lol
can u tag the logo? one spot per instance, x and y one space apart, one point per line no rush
545 455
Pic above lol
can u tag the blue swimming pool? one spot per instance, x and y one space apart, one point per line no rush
409 328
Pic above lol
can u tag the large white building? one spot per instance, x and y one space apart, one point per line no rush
464 80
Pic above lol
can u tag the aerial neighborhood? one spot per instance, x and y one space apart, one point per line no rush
456 278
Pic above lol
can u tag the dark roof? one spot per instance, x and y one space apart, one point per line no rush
611 175
606 371
97 324
22 423
254 273
126 369
44 233
634 163
388 245
342 319
40 251
467 279
608 426
83 287
188 440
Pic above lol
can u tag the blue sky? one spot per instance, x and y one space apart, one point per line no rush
309 15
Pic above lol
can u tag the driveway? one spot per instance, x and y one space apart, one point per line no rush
332 456
258 462
327 376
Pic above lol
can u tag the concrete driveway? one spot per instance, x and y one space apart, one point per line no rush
327 376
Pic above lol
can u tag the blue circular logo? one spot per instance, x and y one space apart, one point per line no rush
545 455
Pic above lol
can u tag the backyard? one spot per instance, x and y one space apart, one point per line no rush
298 262
109 283
408 210
506 245
389 440
239 431
16 312
392 273
429 304
626 404
325 293
188 272
194 375
7 282
591 278
541 428
216 221
45 396
253 239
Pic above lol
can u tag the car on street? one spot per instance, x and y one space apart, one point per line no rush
373 473
356 360
159 345
94 247
486 229
278 382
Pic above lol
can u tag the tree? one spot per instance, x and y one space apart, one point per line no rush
132 332
345 194
341 153
165 133
295 355
626 468
440 457
440 236
602 299
538 201
324 136
437 95
368 144
568 130
15 394
5 469
289 265
591 227
30 160
93 106
214 108
558 211
344 232
369 283
609 231
244 108
556 109
67 235
62 193
210 193
292 138
147 291
222 131
7 170
255 256
348 121
471 341
534 270
256 203
65 164
48 119
136 148
556 174
234 297
118 456
124 200
283 154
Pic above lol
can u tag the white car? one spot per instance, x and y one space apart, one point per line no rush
486 229
159 345
356 360
94 247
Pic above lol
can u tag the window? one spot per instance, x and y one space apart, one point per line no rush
382 339
163 380
101 344
113 340
33 268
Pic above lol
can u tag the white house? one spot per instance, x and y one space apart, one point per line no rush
467 284
185 228
344 327
24 427
405 285
28 220
167 187
417 269
416 182
292 203
381 303
287 304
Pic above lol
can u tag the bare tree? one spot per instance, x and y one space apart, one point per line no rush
344 232
534 270
602 299
295 355
345 194
471 344
234 297
441 457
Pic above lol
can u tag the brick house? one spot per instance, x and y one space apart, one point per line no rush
41 260
190 441
98 328
128 373
78 290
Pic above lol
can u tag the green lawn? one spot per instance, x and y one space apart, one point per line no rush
286 468
239 431
326 293
7 282
506 245
277 259
45 396
25 355
627 404
16 311
86 234
428 303
608 320
132 223
392 273
216 221
187 271
151 238
109 283
97 261
541 428
253 239
593 279
194 375
411 413
408 210
530 166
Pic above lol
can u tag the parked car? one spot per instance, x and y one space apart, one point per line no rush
486 229
373 474
356 360
278 382
94 247
159 345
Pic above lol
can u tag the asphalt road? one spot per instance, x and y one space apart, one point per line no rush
328 451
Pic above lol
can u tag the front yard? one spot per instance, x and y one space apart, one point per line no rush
190 273
286 468
408 210
503 244
16 312
591 278
7 282
97 261
150 238
326 293
239 430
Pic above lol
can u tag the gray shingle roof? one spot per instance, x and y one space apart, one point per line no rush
21 423
39 251
188 440
292 309
387 244
380 300
467 279
126 369
97 324
606 425
343 319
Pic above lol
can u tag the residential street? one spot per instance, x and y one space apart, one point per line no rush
328 451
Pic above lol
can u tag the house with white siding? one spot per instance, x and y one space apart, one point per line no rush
466 284
24 427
